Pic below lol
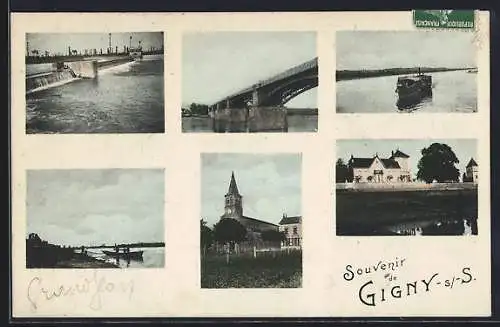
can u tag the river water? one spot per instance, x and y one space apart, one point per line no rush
452 92
296 123
152 258
123 99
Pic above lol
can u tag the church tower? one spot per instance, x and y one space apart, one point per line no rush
233 207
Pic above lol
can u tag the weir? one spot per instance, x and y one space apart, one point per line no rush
64 72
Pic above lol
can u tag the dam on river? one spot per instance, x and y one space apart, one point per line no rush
45 75
116 95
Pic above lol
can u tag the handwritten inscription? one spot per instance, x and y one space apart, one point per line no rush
95 288
371 295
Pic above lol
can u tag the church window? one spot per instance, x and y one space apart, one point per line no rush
295 230
370 178
286 230
389 178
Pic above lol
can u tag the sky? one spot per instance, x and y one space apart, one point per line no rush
218 64
91 207
382 49
464 149
269 183
59 42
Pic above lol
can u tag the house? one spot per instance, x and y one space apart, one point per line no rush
472 171
395 169
292 228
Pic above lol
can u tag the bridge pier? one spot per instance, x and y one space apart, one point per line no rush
252 119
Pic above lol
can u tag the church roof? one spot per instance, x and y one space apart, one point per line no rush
472 163
233 188
258 220
399 154
290 220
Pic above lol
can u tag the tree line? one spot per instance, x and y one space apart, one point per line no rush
436 164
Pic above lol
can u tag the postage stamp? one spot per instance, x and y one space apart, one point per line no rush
444 18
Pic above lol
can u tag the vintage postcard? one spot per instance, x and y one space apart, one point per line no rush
314 164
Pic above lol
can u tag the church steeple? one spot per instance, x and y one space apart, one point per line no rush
233 188
233 207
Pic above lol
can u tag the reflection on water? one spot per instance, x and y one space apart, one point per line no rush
123 99
296 123
151 258
415 102
432 227
452 92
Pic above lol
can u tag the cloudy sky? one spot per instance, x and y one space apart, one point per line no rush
217 64
59 42
464 150
381 49
269 183
75 207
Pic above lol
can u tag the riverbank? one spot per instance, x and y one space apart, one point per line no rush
402 187
84 261
342 75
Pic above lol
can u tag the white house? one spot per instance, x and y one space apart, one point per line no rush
395 169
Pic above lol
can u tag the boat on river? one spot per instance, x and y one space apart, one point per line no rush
413 88
133 255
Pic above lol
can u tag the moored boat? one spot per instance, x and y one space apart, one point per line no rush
134 255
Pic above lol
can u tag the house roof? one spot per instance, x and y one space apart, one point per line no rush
390 163
290 220
367 162
361 162
399 154
472 163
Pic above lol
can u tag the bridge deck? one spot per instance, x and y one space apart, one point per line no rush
310 64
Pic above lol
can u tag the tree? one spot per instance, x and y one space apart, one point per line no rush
206 235
229 231
198 109
273 236
438 163
342 172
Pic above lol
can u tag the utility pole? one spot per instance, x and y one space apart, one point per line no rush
28 48
109 40
130 42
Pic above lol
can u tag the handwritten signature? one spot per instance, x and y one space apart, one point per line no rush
40 290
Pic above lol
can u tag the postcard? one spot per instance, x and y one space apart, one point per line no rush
313 164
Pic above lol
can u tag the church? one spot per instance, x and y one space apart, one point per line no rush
395 169
233 208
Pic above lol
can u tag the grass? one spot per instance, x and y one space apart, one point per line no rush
280 270
360 213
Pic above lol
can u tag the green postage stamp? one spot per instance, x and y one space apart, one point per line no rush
444 18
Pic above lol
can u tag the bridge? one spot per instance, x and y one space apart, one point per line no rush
276 90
